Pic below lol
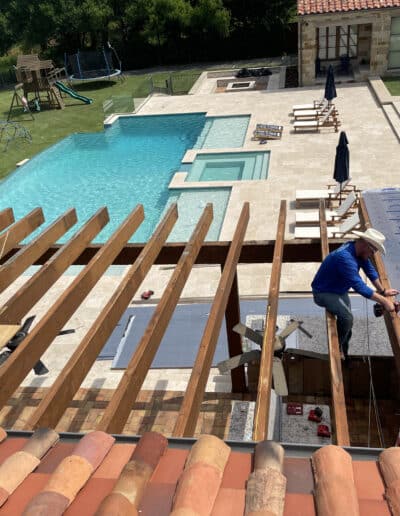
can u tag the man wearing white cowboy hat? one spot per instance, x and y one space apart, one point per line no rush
339 272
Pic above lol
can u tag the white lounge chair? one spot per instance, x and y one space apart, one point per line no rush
328 120
311 217
333 231
313 112
314 105
307 197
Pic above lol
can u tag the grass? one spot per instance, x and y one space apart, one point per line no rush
51 125
393 85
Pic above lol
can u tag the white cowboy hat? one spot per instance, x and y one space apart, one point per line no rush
373 237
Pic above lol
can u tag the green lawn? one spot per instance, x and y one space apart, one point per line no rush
52 125
393 85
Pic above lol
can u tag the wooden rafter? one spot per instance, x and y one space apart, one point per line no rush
20 230
119 407
6 218
21 261
29 294
391 320
57 399
335 365
261 414
35 344
189 412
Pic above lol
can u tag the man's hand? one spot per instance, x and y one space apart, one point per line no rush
391 292
388 305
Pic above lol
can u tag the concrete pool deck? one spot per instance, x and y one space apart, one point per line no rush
301 160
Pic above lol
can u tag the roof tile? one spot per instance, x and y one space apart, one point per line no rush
335 492
335 6
393 496
3 434
299 504
389 462
368 480
47 503
229 501
94 447
118 504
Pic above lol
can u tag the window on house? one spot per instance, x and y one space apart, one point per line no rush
394 46
334 42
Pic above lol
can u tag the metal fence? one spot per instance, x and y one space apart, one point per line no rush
175 84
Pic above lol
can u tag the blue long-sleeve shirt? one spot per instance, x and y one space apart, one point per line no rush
340 271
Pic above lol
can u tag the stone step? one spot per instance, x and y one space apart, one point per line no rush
393 118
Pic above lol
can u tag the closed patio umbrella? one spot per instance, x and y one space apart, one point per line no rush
330 89
341 172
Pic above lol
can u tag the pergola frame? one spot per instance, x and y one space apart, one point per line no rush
55 259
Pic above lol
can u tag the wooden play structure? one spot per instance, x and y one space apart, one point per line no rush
37 77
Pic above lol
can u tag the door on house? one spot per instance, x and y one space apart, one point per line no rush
336 41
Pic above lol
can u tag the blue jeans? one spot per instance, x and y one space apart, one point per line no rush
340 306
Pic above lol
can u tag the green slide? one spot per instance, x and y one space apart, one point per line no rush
72 93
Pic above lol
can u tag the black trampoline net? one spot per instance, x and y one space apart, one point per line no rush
91 64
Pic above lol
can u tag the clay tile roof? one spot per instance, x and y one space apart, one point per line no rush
338 6
96 475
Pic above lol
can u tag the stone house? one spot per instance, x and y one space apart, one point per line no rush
359 37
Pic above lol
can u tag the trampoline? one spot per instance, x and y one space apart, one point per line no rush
85 66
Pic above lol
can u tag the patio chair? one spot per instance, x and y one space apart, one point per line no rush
313 114
331 193
271 132
310 217
333 231
328 120
314 105
9 131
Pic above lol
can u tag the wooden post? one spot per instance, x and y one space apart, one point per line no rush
20 230
121 403
335 366
187 418
6 218
261 415
57 399
392 321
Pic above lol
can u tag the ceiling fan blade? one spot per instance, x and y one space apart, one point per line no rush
227 365
279 377
290 328
247 332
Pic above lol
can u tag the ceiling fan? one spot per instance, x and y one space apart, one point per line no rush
280 347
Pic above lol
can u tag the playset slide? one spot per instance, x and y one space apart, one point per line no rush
72 93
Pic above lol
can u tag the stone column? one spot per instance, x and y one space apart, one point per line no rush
308 53
380 43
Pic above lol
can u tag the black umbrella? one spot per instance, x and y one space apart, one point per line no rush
330 89
342 162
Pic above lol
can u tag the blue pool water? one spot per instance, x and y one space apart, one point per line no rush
132 162
229 166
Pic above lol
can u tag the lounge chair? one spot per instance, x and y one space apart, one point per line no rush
312 112
271 132
310 217
333 231
328 120
314 105
307 197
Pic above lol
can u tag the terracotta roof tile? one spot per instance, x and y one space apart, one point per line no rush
94 447
3 434
336 6
225 496
335 491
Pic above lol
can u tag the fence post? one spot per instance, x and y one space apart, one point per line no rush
151 84
171 87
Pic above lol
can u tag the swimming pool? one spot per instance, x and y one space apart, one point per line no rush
236 166
130 163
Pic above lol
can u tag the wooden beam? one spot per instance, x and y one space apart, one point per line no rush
20 230
392 321
6 218
335 365
15 369
297 250
232 317
57 399
261 414
38 284
32 251
121 403
186 423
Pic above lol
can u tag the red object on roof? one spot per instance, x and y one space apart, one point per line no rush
323 431
294 409
338 6
312 416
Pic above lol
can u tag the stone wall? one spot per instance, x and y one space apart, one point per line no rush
374 39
